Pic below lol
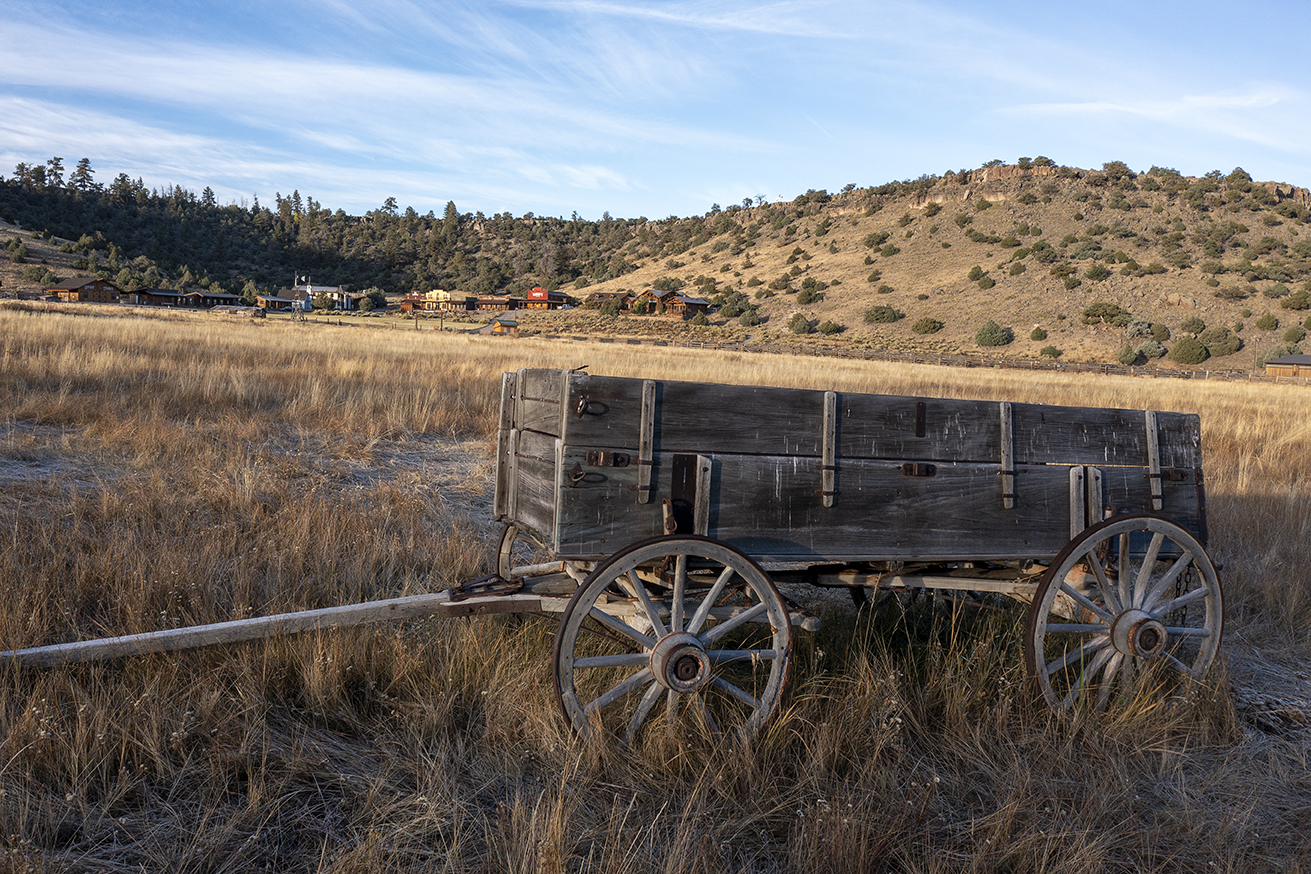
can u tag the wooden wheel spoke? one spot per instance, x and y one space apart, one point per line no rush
638 588
643 710
719 656
703 714
1108 679
1122 571
1182 601
1076 628
703 609
680 589
621 627
1088 648
729 689
621 689
1186 631
1166 581
671 708
1086 676
728 625
618 660
1103 584
1087 602
1140 586
1176 664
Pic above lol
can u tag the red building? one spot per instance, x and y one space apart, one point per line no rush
541 299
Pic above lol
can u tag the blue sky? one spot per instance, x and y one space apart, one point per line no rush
641 108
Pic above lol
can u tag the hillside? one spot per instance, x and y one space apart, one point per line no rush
1030 246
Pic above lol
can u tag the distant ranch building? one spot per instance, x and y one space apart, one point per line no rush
280 303
686 306
601 298
541 299
167 297
674 302
1289 365
85 290
438 301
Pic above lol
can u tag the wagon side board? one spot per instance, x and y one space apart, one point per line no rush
757 420
772 508
592 464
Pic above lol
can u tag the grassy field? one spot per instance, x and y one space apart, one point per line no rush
157 472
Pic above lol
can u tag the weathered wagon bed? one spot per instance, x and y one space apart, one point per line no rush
657 517
591 463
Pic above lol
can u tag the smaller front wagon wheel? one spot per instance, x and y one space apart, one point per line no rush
682 631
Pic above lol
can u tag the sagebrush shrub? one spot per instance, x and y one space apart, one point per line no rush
883 314
1151 350
1188 350
1299 300
926 325
1220 341
993 334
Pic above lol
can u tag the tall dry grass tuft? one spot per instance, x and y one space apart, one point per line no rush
159 472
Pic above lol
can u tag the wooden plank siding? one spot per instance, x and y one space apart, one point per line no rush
909 477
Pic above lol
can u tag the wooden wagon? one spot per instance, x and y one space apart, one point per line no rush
660 518
673 509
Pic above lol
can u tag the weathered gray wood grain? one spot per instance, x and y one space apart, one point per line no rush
504 430
705 417
536 475
770 507
539 401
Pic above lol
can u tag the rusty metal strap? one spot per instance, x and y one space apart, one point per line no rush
492 584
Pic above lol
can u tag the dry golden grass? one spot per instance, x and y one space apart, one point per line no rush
156 472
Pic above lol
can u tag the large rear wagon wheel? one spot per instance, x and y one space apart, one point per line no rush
1130 594
676 631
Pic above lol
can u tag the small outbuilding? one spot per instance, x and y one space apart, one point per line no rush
505 326
1289 365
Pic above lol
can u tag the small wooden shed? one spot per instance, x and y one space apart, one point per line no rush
505 326
1289 365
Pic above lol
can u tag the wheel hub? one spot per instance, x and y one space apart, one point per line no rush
680 663
1137 633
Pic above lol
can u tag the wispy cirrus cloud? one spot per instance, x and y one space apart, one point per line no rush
1269 115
